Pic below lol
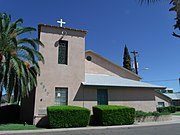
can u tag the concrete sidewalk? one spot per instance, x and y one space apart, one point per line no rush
175 120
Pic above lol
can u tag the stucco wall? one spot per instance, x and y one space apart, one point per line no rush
161 98
139 98
99 65
73 74
59 75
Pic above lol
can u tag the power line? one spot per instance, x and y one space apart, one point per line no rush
164 80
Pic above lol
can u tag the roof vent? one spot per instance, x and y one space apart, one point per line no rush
89 58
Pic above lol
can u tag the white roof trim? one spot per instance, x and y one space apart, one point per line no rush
173 96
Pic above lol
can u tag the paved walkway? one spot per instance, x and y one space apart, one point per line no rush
175 119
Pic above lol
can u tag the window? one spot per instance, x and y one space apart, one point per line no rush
63 52
61 96
161 104
102 97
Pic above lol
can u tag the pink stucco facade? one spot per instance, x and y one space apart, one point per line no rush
59 75
162 100
139 98
100 65
72 75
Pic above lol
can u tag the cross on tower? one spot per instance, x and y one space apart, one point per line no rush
61 22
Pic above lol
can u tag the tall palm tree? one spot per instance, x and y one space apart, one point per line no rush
175 7
18 58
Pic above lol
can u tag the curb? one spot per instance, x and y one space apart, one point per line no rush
90 128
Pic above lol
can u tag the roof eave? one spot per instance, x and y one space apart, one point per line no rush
96 85
163 94
56 27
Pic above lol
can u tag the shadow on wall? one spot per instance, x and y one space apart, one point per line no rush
27 108
131 94
89 93
85 95
43 122
9 114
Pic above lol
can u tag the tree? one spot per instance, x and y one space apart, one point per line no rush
127 59
175 7
18 58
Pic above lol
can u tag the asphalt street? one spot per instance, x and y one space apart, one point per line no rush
170 129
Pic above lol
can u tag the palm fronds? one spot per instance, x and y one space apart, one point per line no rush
148 1
19 69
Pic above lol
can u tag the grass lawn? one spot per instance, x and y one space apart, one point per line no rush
177 114
6 127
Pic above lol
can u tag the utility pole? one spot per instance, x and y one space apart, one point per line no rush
179 82
135 61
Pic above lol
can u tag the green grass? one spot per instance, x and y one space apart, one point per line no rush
6 127
177 113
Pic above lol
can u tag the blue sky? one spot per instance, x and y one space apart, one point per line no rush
111 24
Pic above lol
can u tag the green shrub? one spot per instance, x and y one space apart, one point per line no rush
156 114
145 114
164 113
113 115
139 114
9 114
171 109
162 109
68 116
177 108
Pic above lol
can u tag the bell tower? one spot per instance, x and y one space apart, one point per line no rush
64 69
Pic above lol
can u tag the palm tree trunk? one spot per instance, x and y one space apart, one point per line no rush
1 57
8 81
2 79
0 94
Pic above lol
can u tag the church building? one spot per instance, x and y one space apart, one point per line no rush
73 76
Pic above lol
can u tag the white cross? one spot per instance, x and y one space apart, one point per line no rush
61 22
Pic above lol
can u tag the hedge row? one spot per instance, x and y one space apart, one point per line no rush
72 116
113 115
171 109
9 114
145 114
67 116
177 108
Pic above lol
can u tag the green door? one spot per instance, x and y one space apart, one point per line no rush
102 97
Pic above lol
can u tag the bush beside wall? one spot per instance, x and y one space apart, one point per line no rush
139 114
177 108
9 114
113 115
171 109
68 116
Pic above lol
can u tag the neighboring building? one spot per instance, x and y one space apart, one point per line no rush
167 90
175 98
162 100
71 76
